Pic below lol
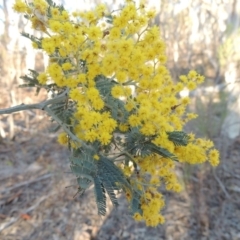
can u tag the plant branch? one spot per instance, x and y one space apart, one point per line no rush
66 128
44 106
40 106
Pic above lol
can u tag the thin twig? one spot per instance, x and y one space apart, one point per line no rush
8 224
231 173
13 220
27 183
221 185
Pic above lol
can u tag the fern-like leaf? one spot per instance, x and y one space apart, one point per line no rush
117 107
105 176
100 195
83 182
112 178
160 151
138 145
136 202
179 138
83 165
31 81
109 168
135 143
110 191
32 37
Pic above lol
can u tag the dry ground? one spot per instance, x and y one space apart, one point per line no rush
36 202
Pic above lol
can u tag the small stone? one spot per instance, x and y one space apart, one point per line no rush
34 167
125 234
81 235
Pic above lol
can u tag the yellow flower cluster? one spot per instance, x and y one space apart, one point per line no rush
152 203
161 170
151 207
94 125
129 52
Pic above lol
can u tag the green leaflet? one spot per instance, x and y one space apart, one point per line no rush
139 145
117 177
135 202
105 85
31 81
135 143
179 138
53 4
84 182
32 38
83 165
100 195
110 190
105 176
160 151
109 19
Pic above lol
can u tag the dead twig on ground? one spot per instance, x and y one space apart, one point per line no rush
221 185
231 174
27 183
15 219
